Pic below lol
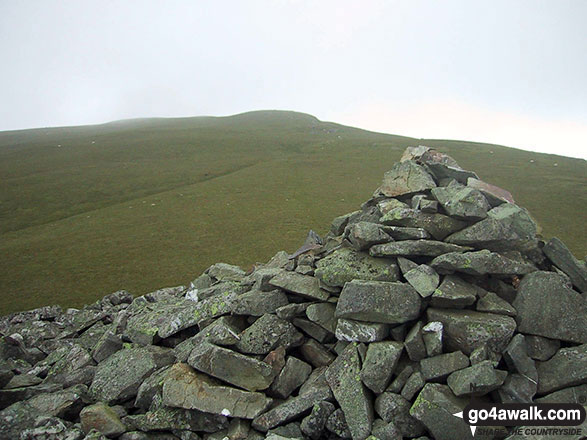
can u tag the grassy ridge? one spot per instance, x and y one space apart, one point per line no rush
151 203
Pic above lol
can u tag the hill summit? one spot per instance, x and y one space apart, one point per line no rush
436 292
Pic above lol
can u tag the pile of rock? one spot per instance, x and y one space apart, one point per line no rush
435 292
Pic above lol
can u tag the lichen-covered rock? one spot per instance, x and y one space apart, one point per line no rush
405 178
568 367
394 408
303 285
438 226
462 202
292 376
363 235
357 331
439 367
561 257
379 364
480 263
257 302
415 248
423 278
102 418
476 380
267 333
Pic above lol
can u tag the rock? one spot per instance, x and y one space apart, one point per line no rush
480 263
77 359
363 235
401 233
491 303
411 248
10 397
378 301
517 359
290 311
476 380
343 377
232 367
302 285
168 419
414 343
400 381
547 307
385 431
150 387
292 376
432 337
435 407
316 354
425 205
339 223
495 195
517 389
65 404
323 315
314 424
118 378
267 333
561 257
413 385
576 394
405 178
312 329
541 349
15 419
464 202
394 408
337 425
566 368
438 226
185 388
257 302
226 272
102 418
444 167
454 293
465 330
379 364
356 331
291 408
346 264
106 346
423 278
439 367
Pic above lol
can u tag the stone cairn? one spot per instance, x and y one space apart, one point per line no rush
437 291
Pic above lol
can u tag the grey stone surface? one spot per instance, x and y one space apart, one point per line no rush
568 367
415 248
379 364
476 380
266 333
480 263
302 285
439 367
424 279
561 257
357 331
438 226
405 178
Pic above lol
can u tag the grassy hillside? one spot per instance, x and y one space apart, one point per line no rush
149 203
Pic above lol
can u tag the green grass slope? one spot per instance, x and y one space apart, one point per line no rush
148 203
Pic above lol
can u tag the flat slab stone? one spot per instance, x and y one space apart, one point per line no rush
494 194
346 264
302 285
235 368
547 307
423 278
465 330
405 178
363 235
257 302
267 333
439 367
379 364
454 293
185 388
378 301
405 233
343 377
476 380
356 331
568 367
561 257
438 226
412 248
480 263
292 376
462 202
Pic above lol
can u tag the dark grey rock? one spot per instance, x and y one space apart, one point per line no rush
439 367
379 364
226 272
302 285
290 311
438 226
491 303
561 257
65 404
176 419
400 381
406 233
357 331
314 424
454 293
405 178
106 346
392 407
267 333
337 425
414 343
547 307
385 431
292 376
413 385
363 235
312 329
413 248
517 389
576 394
343 377
378 301
432 337
541 349
480 263
465 330
464 202
323 315
568 367
476 380
102 418
185 388
150 387
495 195
316 354
423 278
257 302
346 264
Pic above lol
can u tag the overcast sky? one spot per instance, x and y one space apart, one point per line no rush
509 72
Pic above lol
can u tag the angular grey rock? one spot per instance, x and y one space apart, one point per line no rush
561 257
175 419
77 360
314 424
267 333
547 307
378 301
435 407
400 381
290 311
312 329
541 349
454 293
480 263
346 264
517 359
302 285
232 367
568 367
424 279
465 330
292 376
576 394
291 408
406 265
432 337
316 354
363 235
491 303
337 425
406 233
413 385
379 364
464 202
438 226
257 302
385 431
420 202
439 367
65 404
495 195
118 378
226 272
107 345
444 167
392 407
343 377
516 389
413 248
339 223
15 419
102 418
357 331
323 315
476 380
150 387
185 388
414 343
405 178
